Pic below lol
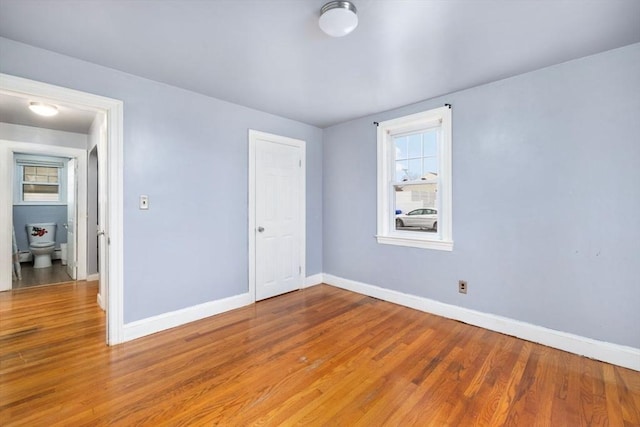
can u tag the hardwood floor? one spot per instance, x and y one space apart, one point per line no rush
320 356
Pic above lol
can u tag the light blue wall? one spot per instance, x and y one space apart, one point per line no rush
189 154
546 194
546 181
24 214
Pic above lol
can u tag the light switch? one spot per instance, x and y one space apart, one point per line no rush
144 202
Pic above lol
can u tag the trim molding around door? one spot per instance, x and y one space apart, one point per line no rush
113 108
253 136
8 149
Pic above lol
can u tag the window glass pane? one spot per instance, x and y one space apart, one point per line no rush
37 188
402 170
430 167
421 152
430 143
415 169
401 147
408 198
40 193
414 143
40 174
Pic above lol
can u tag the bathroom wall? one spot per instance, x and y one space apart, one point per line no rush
25 214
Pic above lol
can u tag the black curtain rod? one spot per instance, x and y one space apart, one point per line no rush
446 105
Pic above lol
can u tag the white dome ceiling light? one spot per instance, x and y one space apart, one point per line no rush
338 18
46 110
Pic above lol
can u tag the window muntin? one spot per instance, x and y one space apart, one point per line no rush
416 156
40 184
414 180
39 180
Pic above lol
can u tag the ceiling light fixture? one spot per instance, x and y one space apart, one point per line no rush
42 109
338 18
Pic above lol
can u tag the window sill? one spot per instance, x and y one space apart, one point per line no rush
40 204
441 245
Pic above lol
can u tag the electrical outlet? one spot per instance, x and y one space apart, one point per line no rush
462 286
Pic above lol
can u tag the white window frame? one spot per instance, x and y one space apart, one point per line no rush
387 233
23 160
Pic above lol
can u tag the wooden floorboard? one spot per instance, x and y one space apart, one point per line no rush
320 356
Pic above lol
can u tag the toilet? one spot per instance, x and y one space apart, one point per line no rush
42 243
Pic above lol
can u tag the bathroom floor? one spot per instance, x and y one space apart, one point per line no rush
41 276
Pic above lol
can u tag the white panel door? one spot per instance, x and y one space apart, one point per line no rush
278 217
71 219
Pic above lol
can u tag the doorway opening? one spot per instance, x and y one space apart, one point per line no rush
46 204
26 219
110 199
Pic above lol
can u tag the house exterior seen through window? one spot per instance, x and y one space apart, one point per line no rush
414 180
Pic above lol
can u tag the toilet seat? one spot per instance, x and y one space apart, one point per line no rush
42 245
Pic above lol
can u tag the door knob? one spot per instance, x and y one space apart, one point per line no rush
100 233
260 229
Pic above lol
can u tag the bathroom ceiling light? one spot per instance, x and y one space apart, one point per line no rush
338 18
42 109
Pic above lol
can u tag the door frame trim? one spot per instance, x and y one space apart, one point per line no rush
113 108
9 148
254 135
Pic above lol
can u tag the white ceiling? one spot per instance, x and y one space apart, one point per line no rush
15 110
271 55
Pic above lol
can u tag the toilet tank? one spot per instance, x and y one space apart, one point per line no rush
40 233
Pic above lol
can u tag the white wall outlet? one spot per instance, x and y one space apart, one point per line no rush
144 202
462 286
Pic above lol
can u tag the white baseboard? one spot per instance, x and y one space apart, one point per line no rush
100 301
316 279
93 277
628 357
172 319
154 324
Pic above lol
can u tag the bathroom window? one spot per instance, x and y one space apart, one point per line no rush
39 180
40 184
